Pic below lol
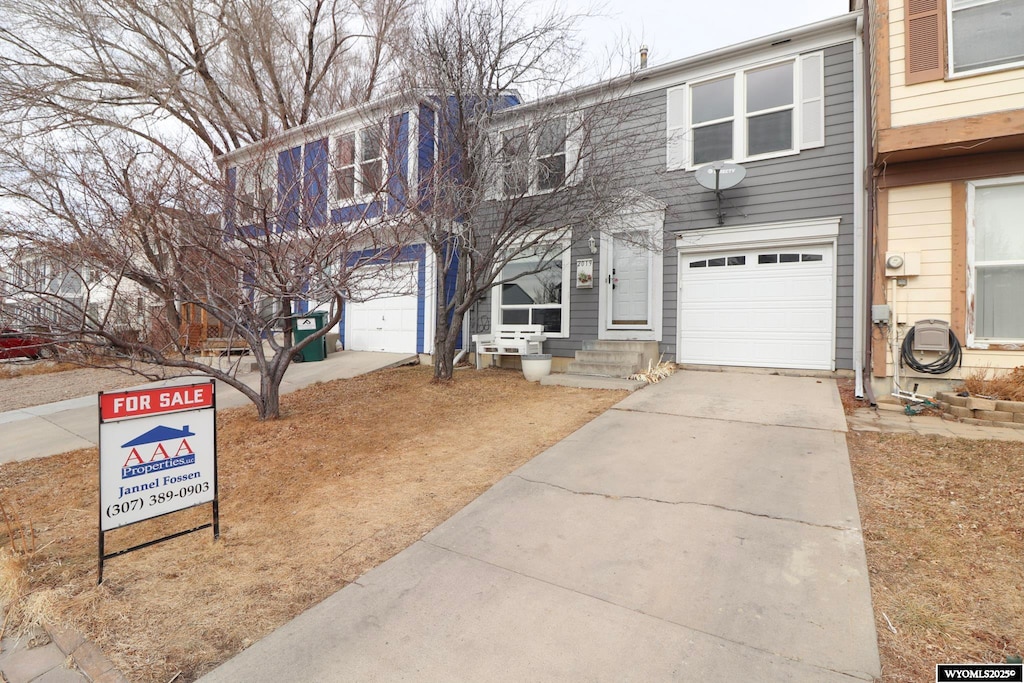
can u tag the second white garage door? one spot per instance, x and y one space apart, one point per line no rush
771 307
382 314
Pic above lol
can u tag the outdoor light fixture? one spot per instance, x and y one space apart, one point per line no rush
593 245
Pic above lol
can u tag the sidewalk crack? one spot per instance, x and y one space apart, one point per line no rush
835 527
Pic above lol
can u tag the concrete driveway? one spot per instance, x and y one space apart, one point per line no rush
703 529
68 425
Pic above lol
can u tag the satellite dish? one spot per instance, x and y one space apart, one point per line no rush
720 175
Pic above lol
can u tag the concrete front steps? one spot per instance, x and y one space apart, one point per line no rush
603 358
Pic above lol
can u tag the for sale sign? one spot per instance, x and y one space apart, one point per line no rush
157 452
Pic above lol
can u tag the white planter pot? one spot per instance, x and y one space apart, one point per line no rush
536 365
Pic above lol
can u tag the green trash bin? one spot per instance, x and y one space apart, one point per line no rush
305 325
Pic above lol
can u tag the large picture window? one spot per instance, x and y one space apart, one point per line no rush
998 260
985 34
534 290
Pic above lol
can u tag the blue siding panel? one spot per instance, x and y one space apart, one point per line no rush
398 162
288 189
315 182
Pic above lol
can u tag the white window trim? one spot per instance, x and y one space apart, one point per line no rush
566 257
357 162
974 341
952 73
683 96
652 220
570 151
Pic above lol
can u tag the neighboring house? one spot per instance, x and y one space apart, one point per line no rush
775 283
948 114
359 166
45 294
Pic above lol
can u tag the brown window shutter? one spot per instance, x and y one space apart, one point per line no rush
925 40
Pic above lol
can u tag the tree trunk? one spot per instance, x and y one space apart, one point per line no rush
445 343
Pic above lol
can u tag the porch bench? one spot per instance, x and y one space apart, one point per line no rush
510 340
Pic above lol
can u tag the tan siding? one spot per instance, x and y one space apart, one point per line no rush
941 100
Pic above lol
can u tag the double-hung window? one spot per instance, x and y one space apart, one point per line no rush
534 290
756 113
551 155
515 161
769 109
713 115
256 191
997 259
985 35
358 163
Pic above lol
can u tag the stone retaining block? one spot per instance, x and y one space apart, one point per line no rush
981 403
993 415
1016 407
960 412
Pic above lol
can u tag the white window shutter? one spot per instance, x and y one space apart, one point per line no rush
812 100
678 146
575 128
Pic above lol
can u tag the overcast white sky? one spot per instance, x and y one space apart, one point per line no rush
673 29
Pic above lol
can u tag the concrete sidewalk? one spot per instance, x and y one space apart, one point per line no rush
705 528
68 425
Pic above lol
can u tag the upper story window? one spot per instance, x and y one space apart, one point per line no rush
971 36
358 163
756 113
551 155
712 113
769 110
985 35
996 259
534 159
256 191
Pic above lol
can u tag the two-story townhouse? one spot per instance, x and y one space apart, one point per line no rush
358 168
768 276
947 105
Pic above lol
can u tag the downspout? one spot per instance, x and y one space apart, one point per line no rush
868 175
860 255
465 341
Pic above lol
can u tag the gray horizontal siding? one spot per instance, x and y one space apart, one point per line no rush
816 183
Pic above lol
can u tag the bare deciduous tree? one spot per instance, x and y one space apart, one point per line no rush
124 259
514 182
113 114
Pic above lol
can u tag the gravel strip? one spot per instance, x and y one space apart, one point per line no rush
35 390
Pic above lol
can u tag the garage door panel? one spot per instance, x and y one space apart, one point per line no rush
381 315
759 314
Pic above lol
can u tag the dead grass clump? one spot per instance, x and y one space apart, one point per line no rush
655 373
354 472
1002 387
943 523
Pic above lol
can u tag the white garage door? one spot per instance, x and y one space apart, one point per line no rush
380 315
770 307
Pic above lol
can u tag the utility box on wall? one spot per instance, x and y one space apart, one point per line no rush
931 335
902 264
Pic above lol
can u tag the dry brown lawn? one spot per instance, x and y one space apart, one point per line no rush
943 523
355 471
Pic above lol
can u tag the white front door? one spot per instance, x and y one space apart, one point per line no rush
629 284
